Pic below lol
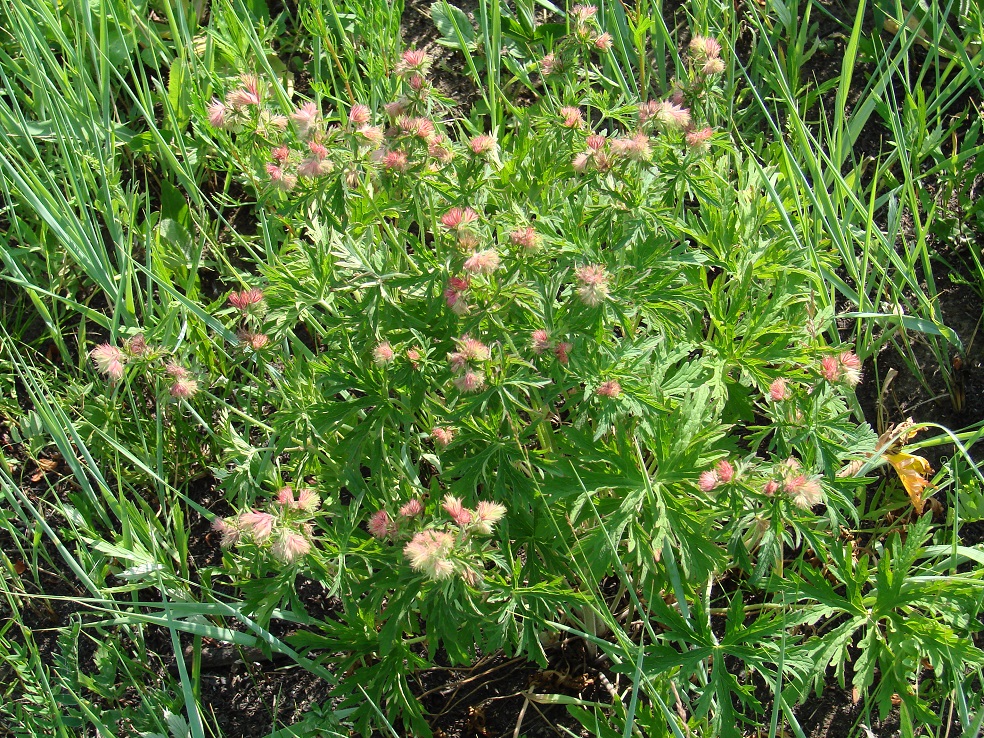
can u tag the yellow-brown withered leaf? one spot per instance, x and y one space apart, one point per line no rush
912 470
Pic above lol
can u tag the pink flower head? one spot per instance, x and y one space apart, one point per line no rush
584 13
725 471
383 354
457 286
396 160
562 351
290 546
442 435
610 389
704 48
414 356
413 60
712 67
830 368
467 240
473 349
313 167
184 389
572 117
596 142
280 153
256 341
487 514
229 531
708 480
136 346
636 147
246 300
770 488
850 367
525 237
593 288
381 525
439 151
285 497
109 360
412 509
306 119
318 150
308 500
603 42
217 114
779 390
671 117
580 163
420 127
470 381
370 135
359 115
258 524
647 111
281 180
460 514
697 139
549 64
458 218
396 108
483 145
429 552
804 492
176 371
247 95
482 262
540 340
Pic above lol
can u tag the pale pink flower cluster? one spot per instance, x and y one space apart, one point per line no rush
592 287
706 55
634 148
804 491
484 145
455 295
248 301
541 343
610 389
461 222
285 529
845 367
722 473
594 157
525 237
235 110
442 435
184 386
572 117
664 114
698 139
779 390
383 354
109 360
470 353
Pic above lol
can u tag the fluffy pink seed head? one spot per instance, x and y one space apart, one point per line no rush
413 60
359 115
540 340
429 552
396 160
457 218
258 524
603 42
381 525
306 119
805 493
482 262
671 116
246 299
779 390
176 371
830 368
460 514
705 48
850 366
770 488
371 135
725 471
280 154
483 144
708 480
229 531
487 514
562 351
610 389
713 67
308 500
109 360
525 237
698 139
442 436
290 546
217 114
243 97
593 288
285 497
473 349
281 180
647 111
549 64
596 142
383 354
583 13
414 356
572 117
318 150
313 167
412 509
184 389
470 381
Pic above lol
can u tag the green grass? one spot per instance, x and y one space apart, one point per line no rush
822 221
